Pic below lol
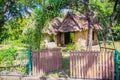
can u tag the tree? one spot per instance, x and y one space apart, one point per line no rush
10 10
88 14
13 9
111 29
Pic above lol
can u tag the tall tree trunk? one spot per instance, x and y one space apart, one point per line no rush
112 22
88 14
90 42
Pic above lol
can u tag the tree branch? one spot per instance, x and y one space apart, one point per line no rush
7 6
114 11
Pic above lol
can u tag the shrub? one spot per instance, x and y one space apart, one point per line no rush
71 47
12 60
7 56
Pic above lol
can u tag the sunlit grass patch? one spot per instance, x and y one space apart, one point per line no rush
117 44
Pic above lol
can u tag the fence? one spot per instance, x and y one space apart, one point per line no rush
92 65
46 60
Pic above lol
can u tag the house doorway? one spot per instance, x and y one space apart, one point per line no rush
66 38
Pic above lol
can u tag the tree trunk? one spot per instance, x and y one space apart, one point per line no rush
89 44
111 29
88 14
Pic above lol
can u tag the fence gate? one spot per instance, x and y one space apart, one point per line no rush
92 65
46 60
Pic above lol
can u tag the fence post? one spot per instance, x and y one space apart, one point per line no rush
29 61
116 65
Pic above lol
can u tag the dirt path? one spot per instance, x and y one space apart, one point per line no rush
14 77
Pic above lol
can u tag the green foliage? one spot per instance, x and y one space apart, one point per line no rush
12 59
71 47
41 16
72 37
51 38
8 56
2 21
105 8
104 11
117 32
34 26
29 30
13 30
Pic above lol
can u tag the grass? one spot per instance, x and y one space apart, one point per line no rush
108 45
117 44
20 56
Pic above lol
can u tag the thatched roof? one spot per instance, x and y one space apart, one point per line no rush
53 26
70 23
74 22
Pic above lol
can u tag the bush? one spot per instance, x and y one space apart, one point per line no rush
7 56
71 47
12 60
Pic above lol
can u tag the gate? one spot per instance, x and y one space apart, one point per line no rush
46 60
92 65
